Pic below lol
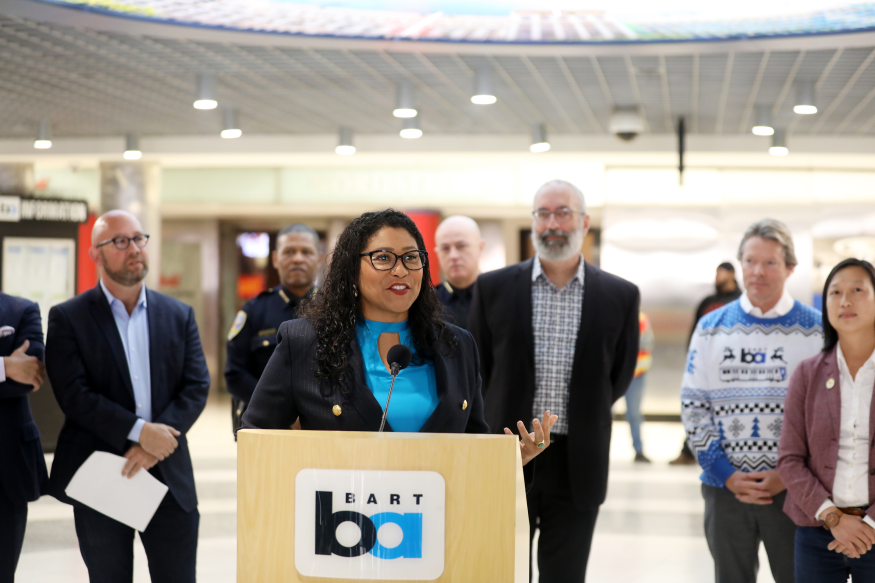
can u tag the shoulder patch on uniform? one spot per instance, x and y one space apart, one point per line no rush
239 322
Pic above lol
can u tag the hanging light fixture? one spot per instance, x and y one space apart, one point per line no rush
132 147
404 105
231 127
539 139
43 139
411 129
206 92
779 144
763 125
805 98
483 94
344 146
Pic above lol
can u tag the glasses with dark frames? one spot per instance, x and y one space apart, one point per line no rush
562 214
122 243
386 260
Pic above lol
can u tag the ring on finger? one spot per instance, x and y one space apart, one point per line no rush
541 444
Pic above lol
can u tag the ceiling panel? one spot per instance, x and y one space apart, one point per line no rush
91 83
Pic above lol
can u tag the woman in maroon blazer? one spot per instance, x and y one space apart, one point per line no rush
826 455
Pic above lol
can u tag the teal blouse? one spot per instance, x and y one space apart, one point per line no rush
414 397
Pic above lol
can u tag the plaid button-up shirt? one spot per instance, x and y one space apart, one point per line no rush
555 322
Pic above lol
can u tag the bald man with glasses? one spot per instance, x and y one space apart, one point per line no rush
557 333
129 373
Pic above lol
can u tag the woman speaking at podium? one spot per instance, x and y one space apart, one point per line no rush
331 368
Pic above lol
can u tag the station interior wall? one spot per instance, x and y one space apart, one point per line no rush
665 237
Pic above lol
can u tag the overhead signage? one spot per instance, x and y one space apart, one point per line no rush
353 524
15 209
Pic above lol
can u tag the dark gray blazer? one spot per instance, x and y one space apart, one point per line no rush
22 466
89 372
604 363
288 389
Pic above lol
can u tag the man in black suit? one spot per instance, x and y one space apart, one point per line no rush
557 333
128 370
22 465
459 245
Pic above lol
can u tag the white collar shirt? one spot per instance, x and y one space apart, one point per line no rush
851 486
782 308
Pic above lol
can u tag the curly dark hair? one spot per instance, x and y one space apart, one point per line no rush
334 309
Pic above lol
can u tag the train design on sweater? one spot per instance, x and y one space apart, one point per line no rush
736 378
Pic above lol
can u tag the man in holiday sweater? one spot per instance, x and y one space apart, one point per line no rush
739 365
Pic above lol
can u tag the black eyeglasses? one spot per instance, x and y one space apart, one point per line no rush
122 243
386 260
562 214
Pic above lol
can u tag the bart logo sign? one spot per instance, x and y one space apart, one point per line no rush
369 524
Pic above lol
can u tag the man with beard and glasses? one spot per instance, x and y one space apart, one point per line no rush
252 337
557 333
128 371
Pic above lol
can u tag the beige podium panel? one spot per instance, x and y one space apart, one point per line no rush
486 522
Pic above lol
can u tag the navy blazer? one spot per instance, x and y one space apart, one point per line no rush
604 364
89 373
288 389
22 465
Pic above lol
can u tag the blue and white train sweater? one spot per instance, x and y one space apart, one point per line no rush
732 399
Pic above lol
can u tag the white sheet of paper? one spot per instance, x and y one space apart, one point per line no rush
99 484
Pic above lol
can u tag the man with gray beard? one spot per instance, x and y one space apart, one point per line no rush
556 333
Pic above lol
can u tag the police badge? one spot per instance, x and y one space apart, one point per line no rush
239 322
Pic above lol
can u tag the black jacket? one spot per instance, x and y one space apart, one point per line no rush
250 346
90 376
22 465
604 363
289 388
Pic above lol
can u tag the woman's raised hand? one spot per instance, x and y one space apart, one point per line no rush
531 444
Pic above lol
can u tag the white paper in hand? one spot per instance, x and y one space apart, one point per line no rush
99 484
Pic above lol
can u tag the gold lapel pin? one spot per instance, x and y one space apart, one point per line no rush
830 383
336 410
464 405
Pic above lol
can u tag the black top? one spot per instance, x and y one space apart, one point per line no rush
289 389
457 302
22 465
250 345
604 363
712 303
89 372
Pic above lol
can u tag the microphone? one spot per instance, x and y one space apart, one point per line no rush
399 358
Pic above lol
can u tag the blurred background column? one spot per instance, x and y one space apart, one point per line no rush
16 177
427 222
135 187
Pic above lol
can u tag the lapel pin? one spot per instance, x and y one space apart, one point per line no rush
464 405
830 383
336 410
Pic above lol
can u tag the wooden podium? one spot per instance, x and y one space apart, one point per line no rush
486 521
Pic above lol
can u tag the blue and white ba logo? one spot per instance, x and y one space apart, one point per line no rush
369 524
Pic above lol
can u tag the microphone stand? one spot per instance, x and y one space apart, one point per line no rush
395 369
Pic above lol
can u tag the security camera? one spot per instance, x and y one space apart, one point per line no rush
626 123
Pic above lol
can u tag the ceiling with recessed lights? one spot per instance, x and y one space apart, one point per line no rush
90 81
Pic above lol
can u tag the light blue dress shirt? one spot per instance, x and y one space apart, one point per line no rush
414 397
134 331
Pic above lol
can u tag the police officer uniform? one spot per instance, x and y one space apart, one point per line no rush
457 303
252 340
